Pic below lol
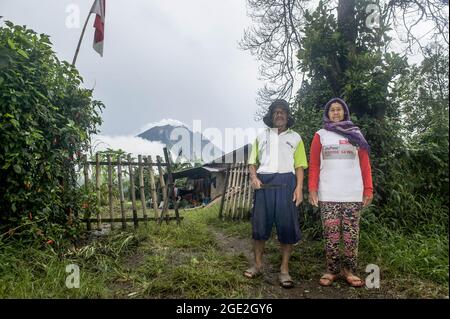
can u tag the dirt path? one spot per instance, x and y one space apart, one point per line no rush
269 286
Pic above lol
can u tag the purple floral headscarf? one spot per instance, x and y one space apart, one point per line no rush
346 127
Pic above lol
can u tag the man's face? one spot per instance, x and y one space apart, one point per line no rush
279 117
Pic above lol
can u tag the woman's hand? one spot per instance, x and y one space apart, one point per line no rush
367 201
314 199
298 195
256 183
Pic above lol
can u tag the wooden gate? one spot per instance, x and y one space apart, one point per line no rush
166 189
237 196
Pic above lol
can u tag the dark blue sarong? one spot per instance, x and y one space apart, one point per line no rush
274 205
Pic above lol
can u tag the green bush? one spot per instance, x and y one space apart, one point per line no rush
46 118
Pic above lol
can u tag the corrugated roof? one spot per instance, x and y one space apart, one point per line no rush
197 172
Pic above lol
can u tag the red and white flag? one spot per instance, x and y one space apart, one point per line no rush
99 9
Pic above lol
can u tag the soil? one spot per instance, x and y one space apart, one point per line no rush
304 289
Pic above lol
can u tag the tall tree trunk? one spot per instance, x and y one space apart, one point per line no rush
347 24
348 29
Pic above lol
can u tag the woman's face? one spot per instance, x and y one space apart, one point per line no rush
336 112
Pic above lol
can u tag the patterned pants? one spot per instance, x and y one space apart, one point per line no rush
337 216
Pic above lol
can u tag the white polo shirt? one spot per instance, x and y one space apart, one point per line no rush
278 153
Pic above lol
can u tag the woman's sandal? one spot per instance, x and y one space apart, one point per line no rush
327 279
252 272
354 281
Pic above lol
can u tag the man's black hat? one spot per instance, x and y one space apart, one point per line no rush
267 119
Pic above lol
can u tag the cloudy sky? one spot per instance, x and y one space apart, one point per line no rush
162 59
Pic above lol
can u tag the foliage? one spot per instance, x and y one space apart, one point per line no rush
354 67
401 109
193 261
46 119
155 261
277 33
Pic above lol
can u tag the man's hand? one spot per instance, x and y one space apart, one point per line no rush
367 201
298 195
256 183
314 199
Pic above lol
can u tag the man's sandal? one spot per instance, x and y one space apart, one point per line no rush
286 280
252 272
327 279
354 281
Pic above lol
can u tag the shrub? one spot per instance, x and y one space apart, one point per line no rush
46 120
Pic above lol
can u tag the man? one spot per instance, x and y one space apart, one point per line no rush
276 156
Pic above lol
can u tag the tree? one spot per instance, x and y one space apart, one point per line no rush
277 34
46 119
350 57
274 40
401 109
424 94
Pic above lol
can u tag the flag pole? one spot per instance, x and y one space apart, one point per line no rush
81 39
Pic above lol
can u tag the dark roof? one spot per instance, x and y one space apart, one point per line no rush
219 164
196 172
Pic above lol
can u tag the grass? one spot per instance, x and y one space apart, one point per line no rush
187 261
416 265
153 262
29 272
424 256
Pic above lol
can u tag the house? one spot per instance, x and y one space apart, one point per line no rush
208 181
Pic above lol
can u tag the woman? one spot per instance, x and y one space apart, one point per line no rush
340 184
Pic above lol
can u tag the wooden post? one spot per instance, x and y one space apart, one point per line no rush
239 190
236 192
153 186
97 188
224 191
228 192
163 189
248 189
132 192
86 186
250 198
110 191
171 184
141 186
244 189
122 199
232 192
